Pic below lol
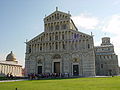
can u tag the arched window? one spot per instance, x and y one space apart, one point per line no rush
63 36
56 46
56 56
64 26
51 28
88 45
50 18
75 60
40 61
76 46
63 46
50 47
29 48
57 16
40 47
57 27
56 37
50 38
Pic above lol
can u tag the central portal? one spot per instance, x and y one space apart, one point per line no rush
75 70
56 67
39 69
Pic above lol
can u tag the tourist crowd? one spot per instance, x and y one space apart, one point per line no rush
48 75
9 76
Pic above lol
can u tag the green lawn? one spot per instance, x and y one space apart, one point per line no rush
109 83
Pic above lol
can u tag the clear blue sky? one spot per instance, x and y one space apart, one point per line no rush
23 19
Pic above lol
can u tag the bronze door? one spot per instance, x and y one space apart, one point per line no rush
75 70
39 69
56 67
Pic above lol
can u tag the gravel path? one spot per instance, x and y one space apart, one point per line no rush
13 80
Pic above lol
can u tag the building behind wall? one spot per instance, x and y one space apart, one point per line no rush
10 66
106 60
61 48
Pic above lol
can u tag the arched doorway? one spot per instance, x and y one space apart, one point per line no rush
39 68
56 63
40 64
75 70
75 67
56 67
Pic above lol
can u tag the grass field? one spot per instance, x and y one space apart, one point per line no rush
108 83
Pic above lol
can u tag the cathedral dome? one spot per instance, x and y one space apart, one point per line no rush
10 57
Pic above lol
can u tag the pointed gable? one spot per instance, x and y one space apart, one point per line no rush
58 21
57 15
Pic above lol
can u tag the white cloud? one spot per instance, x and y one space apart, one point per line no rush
86 21
116 2
2 57
112 25
97 43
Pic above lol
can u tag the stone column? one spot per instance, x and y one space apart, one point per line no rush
60 35
38 47
54 47
58 46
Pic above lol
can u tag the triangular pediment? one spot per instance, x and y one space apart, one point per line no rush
57 15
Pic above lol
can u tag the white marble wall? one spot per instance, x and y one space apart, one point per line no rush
15 70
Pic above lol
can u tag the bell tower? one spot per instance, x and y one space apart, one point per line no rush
106 41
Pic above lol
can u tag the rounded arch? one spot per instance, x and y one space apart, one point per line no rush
75 60
56 56
40 59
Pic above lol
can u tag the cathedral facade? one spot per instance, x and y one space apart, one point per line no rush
61 48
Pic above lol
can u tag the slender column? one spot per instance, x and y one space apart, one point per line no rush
58 46
48 37
78 45
61 36
42 46
60 26
50 47
61 46
73 45
53 36
54 46
34 48
53 26
46 46
70 36
44 38
38 47
64 35
67 35
67 45
85 44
